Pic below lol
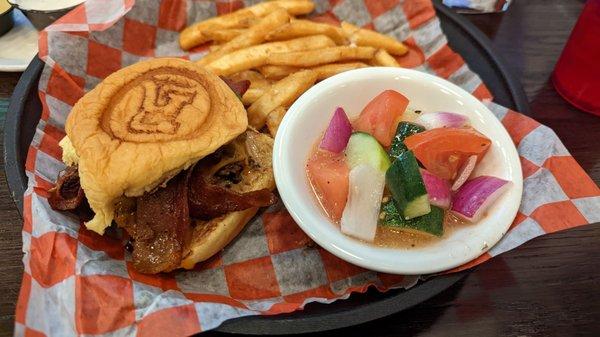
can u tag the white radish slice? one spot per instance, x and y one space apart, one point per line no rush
464 172
361 213
477 195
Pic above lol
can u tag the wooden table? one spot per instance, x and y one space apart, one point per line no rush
549 286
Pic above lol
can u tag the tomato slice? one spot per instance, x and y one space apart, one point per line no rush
328 174
444 150
381 116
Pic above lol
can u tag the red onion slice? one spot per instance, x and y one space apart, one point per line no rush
477 195
437 188
338 132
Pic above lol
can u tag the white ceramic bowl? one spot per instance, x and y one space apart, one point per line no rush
308 117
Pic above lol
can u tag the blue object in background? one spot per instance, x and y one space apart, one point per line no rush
482 6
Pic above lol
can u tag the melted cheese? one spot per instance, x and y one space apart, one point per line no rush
69 156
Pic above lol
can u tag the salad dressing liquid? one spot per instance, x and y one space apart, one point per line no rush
391 237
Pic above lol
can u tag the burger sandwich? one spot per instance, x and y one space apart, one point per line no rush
162 149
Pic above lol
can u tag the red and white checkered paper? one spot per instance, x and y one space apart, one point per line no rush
78 283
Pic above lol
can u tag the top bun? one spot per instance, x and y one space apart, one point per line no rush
144 124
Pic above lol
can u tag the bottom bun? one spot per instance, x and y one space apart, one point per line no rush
210 237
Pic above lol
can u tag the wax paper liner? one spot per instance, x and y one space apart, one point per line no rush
478 6
78 283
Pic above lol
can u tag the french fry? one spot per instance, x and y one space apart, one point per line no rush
194 35
369 38
282 93
309 58
256 56
384 59
253 36
276 72
274 119
329 70
293 7
252 95
223 35
213 47
298 28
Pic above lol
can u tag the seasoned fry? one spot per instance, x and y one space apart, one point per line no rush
349 29
293 7
223 35
214 47
256 56
311 58
298 28
194 34
253 36
276 72
369 38
282 93
252 95
384 59
329 70
323 71
274 119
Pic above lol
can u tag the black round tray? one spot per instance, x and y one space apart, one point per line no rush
24 113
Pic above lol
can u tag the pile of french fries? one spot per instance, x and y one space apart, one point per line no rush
283 55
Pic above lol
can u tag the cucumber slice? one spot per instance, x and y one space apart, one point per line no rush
403 130
404 181
363 148
431 223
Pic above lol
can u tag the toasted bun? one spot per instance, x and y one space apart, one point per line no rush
145 123
210 237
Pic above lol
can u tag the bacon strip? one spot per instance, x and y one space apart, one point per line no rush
205 201
239 88
161 227
67 194
208 201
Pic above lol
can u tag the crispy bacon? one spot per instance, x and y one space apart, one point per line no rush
205 200
67 194
161 227
208 201
239 88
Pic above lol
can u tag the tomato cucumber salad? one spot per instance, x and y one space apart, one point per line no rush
399 170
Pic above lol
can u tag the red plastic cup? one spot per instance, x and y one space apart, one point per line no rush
577 74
